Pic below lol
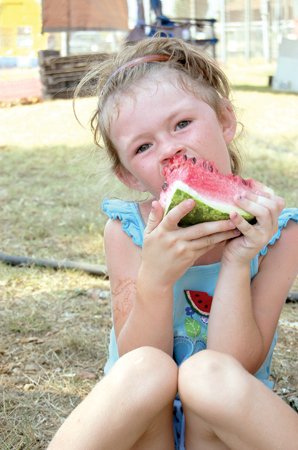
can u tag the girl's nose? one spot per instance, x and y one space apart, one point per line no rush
169 153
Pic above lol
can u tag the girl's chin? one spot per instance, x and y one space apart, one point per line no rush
153 193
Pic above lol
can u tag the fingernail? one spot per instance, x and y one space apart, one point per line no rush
190 202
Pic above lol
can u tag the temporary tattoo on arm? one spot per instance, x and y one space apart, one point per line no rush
123 297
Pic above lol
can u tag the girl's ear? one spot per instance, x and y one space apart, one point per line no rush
227 120
129 179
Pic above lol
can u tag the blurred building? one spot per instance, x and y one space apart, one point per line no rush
255 28
245 28
20 33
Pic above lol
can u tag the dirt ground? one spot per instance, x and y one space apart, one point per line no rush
16 84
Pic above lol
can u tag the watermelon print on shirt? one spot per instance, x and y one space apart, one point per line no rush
195 325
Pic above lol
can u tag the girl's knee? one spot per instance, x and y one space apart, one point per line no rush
146 360
147 371
212 366
213 382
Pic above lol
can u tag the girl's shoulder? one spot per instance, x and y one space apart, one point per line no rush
130 216
287 215
278 262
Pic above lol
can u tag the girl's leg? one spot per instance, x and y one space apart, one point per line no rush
131 408
227 408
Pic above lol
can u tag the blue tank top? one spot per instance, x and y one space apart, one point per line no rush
193 292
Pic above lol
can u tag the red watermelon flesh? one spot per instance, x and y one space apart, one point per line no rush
199 301
212 191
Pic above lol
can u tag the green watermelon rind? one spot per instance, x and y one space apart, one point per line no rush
205 210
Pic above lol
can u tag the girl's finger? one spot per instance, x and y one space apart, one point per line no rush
263 194
262 189
172 219
207 228
209 241
262 208
155 216
242 225
266 199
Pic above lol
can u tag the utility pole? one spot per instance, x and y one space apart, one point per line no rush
140 13
247 28
156 7
266 28
66 35
223 42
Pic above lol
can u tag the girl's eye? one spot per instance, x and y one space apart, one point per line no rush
182 124
143 148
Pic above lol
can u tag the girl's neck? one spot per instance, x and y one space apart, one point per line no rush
213 256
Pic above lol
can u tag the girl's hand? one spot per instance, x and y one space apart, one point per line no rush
266 207
169 250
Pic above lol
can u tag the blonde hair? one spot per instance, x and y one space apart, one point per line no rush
196 71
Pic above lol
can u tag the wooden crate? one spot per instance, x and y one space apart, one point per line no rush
61 74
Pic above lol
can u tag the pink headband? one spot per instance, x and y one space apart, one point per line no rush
135 62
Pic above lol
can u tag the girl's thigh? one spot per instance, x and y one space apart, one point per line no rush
159 434
131 408
150 388
227 408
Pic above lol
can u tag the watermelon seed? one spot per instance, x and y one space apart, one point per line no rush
194 160
208 166
165 186
185 157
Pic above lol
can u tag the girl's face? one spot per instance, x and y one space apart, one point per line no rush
161 119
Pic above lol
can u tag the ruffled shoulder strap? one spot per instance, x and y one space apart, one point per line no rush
129 215
286 215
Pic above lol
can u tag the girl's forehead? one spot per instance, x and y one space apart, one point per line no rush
163 80
151 82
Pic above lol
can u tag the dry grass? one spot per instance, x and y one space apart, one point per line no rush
53 346
54 325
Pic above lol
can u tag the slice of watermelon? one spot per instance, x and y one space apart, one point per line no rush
212 191
200 301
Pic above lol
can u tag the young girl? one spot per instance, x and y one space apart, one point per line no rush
175 378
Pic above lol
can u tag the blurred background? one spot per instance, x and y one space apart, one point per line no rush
244 28
246 31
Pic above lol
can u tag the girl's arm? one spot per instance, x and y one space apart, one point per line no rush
142 280
142 314
244 315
